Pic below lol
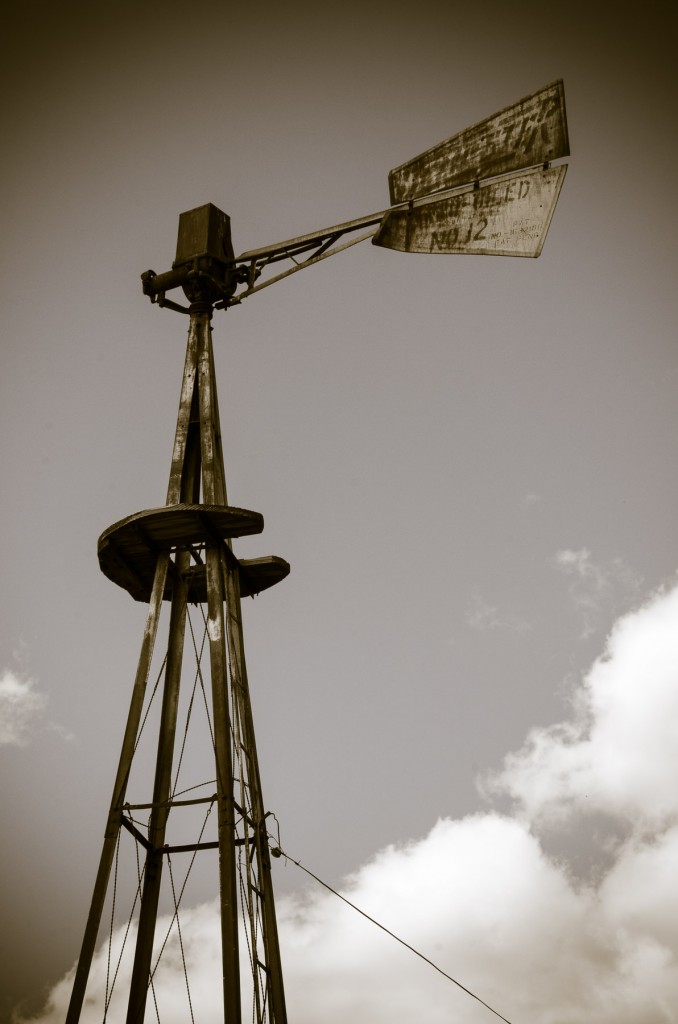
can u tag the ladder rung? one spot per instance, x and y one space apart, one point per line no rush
170 803
189 848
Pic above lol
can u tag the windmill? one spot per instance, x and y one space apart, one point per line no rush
490 190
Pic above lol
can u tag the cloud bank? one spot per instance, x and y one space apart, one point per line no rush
484 899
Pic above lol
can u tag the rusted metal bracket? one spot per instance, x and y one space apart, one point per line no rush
196 283
169 304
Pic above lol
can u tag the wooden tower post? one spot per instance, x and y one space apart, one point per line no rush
182 554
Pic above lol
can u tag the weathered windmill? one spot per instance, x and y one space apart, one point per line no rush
488 190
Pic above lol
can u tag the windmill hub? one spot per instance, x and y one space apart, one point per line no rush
204 263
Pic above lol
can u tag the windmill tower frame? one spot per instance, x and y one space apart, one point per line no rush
182 553
489 190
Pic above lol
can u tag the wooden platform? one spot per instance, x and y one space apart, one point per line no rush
129 549
256 574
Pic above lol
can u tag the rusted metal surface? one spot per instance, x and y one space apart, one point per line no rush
314 258
509 217
530 132
308 241
204 231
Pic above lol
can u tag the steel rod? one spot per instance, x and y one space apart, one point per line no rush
306 263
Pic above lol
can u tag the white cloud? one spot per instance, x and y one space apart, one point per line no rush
21 706
482 616
531 498
619 753
481 896
597 589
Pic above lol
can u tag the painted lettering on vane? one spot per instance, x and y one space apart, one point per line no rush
516 190
443 241
520 133
436 244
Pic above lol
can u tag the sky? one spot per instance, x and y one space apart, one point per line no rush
465 692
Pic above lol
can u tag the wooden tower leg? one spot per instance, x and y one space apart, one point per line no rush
224 583
119 790
182 553
262 891
141 971
214 493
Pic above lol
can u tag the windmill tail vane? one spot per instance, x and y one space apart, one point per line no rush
489 190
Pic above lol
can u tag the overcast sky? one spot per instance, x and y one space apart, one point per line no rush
466 692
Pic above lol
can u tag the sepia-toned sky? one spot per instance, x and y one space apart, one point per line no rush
466 692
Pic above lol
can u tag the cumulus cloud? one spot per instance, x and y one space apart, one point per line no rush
480 898
618 754
21 707
484 899
596 588
22 711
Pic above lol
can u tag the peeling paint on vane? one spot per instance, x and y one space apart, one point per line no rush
530 132
505 218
